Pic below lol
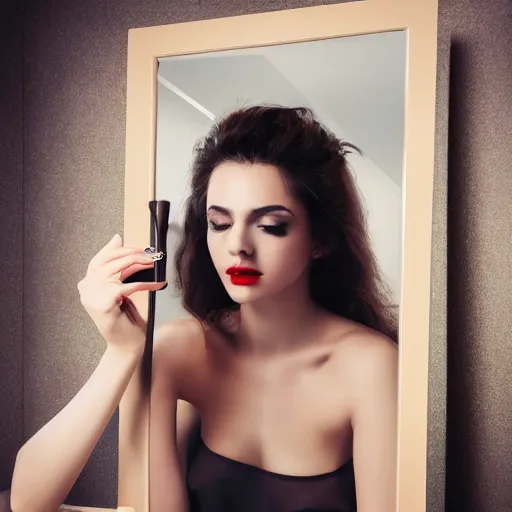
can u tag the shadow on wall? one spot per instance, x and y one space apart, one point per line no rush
460 297
479 426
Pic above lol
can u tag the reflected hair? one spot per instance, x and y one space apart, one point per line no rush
346 280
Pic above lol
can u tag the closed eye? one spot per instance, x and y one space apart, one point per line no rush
218 227
275 229
272 229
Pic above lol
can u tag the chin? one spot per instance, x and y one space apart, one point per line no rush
244 294
252 294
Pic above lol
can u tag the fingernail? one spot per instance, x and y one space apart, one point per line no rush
155 256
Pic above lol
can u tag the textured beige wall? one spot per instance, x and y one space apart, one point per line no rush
479 434
74 108
436 451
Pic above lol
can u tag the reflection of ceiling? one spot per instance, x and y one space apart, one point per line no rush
356 85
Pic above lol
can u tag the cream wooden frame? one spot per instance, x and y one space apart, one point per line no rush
419 19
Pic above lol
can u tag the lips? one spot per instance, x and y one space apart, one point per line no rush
243 271
243 276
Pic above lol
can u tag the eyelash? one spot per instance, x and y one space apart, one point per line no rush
275 229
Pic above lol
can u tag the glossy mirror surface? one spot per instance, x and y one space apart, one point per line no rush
356 88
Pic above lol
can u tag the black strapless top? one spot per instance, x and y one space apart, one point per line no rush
218 484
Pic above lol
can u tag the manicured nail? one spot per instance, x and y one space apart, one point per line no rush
151 251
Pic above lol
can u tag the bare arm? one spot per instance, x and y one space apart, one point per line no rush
374 378
171 420
61 448
49 463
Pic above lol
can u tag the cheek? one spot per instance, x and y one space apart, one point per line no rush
290 254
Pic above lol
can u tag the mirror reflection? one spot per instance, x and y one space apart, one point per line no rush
275 363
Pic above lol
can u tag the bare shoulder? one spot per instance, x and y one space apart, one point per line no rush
177 349
178 339
177 336
367 361
366 364
364 350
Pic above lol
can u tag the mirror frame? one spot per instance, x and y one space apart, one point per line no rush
146 46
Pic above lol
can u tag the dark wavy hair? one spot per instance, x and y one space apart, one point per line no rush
346 280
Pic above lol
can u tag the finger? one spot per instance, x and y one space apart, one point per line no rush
104 257
136 267
114 267
129 288
115 241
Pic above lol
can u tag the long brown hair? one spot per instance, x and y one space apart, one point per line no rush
346 280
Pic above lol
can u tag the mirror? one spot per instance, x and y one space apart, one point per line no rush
367 71
355 86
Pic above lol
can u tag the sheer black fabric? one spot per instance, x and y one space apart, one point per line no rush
218 484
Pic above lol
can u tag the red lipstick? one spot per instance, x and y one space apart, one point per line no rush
243 276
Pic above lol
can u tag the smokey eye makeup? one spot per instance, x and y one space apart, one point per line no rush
215 226
278 229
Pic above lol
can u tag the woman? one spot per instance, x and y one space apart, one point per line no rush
288 367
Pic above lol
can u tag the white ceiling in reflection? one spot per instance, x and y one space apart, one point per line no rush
356 85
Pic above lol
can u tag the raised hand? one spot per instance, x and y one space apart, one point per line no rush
106 298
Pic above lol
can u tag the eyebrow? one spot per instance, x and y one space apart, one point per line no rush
256 213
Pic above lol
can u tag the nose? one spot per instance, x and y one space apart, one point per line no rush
240 242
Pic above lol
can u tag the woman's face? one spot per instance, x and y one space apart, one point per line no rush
258 233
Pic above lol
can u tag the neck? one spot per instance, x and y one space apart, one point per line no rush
277 324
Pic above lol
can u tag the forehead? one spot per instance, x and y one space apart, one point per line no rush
239 184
